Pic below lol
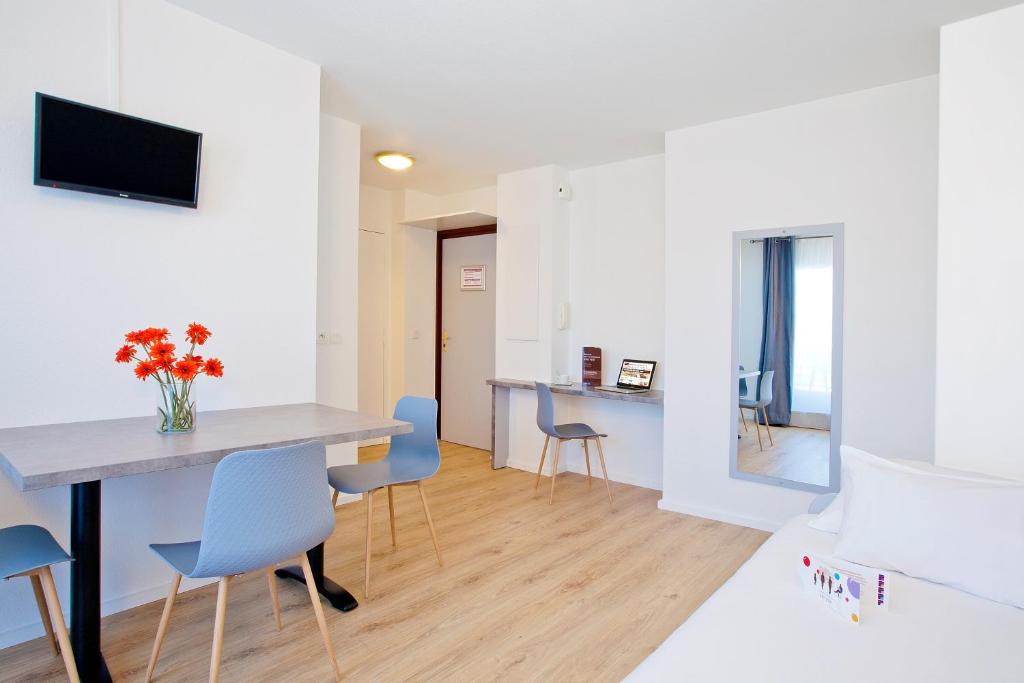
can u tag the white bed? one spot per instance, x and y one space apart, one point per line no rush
760 626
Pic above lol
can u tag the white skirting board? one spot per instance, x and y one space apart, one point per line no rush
719 515
595 471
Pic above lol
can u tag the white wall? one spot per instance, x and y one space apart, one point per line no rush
532 279
420 268
79 270
617 221
337 279
552 251
377 214
868 160
981 243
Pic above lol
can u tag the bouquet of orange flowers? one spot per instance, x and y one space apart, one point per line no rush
154 356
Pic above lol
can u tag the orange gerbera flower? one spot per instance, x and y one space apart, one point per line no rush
186 369
125 354
134 337
213 367
155 334
198 334
144 369
162 351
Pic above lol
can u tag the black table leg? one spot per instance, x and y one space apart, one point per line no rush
85 582
339 598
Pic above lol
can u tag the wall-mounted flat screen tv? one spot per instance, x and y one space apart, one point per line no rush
88 149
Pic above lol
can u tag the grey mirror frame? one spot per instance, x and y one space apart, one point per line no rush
836 231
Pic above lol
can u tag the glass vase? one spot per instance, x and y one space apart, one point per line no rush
178 412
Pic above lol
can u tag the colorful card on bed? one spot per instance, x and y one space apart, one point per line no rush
837 588
876 584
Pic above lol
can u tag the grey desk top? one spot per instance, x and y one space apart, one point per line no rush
73 452
653 397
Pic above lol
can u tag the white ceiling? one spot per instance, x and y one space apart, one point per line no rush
474 88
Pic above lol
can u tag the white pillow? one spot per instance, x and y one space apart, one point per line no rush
962 533
831 518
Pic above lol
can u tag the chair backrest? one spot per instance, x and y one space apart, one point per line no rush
765 388
417 450
545 410
743 384
265 507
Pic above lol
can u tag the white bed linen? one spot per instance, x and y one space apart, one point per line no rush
761 626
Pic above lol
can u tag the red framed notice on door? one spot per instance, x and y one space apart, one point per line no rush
474 278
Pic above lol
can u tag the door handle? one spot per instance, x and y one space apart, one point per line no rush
444 341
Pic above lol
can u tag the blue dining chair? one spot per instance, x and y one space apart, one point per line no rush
265 507
29 550
411 458
564 432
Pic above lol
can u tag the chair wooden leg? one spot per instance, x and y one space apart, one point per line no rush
391 509
57 617
744 418
604 468
586 455
430 522
44 613
540 468
334 500
757 426
767 426
554 470
272 583
161 631
218 628
321 621
369 539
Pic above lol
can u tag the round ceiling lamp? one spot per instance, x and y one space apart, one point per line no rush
395 161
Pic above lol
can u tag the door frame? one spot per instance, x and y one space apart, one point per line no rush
442 235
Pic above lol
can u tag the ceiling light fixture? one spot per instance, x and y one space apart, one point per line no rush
396 161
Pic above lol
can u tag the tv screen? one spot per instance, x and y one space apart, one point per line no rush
88 149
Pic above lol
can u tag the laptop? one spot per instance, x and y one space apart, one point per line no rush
635 377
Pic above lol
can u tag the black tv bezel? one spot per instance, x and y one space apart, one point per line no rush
106 191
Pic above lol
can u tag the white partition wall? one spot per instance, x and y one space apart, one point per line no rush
981 244
78 270
867 160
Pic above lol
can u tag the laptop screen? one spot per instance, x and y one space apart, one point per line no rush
636 374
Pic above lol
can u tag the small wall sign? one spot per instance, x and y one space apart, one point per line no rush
474 278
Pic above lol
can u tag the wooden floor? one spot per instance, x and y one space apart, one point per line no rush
569 592
798 454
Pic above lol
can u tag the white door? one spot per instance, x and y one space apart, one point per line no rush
467 347
373 316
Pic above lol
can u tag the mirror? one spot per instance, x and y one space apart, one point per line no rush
787 342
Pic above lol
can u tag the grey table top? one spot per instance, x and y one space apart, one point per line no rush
653 397
73 452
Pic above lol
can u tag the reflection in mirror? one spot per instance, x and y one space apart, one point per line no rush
784 369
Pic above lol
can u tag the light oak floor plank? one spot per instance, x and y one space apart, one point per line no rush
573 591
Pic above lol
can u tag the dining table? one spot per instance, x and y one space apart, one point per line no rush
81 455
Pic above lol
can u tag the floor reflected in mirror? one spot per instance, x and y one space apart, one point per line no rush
798 454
